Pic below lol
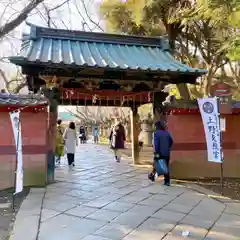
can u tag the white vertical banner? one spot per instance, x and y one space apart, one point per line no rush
210 117
16 126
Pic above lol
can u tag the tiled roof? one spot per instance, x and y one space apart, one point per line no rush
66 116
45 46
21 100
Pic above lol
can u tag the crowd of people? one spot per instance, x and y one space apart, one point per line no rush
67 140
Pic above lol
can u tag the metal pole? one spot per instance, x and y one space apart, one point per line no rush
222 179
221 164
221 151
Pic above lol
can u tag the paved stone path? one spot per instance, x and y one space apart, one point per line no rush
104 200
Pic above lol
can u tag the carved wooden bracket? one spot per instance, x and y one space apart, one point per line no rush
51 81
128 87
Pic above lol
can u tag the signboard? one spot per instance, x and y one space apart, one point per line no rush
210 117
16 126
223 92
220 89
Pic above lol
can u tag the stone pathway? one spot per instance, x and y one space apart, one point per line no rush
104 200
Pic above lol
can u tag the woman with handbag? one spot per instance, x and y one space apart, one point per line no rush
162 143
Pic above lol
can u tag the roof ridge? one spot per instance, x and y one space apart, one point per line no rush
37 32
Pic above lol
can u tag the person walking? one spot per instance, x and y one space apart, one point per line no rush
59 147
71 141
162 143
117 138
82 134
95 134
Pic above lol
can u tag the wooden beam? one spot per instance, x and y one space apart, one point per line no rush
103 74
103 103
103 77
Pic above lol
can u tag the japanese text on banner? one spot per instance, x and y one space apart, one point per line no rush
210 117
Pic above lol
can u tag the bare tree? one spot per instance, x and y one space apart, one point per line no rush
46 15
11 19
55 14
9 26
89 18
91 115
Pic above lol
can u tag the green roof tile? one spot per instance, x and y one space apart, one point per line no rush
101 50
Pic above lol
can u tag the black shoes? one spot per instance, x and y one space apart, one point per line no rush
151 177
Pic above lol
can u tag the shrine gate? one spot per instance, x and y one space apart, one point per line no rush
88 68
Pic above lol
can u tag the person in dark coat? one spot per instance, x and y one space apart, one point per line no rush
117 138
162 143
82 134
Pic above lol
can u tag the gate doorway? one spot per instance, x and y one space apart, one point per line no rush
90 69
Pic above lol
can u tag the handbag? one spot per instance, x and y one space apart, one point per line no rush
161 167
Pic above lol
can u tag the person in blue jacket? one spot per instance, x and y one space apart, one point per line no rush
162 143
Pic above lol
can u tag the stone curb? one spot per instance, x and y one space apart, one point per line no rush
210 193
28 216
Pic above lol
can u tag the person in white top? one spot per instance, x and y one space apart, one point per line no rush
71 141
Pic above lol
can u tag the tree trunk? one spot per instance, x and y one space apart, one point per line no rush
135 134
208 83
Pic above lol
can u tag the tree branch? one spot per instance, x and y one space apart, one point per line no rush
89 18
2 74
20 86
22 16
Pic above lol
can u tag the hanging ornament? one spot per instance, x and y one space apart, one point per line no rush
114 102
69 93
94 99
149 97
70 98
123 100
85 100
77 102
